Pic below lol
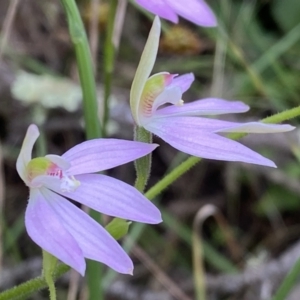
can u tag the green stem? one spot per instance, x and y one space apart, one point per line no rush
24 290
198 268
49 265
95 271
171 177
109 58
282 116
92 125
143 164
85 69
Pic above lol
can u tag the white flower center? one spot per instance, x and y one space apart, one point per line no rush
69 183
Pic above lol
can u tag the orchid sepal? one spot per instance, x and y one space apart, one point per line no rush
145 67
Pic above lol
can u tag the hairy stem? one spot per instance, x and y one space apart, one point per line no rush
143 164
24 290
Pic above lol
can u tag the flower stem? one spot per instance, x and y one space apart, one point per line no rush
92 125
85 69
143 164
24 290
282 116
95 270
109 57
49 265
171 177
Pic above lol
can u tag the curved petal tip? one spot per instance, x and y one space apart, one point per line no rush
33 130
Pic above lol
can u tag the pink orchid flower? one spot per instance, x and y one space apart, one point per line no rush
179 124
196 11
61 228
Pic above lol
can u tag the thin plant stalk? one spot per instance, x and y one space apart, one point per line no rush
109 59
143 164
7 25
85 68
90 108
24 290
49 265
198 268
94 32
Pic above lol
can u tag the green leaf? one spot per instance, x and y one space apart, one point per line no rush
276 199
118 228
286 13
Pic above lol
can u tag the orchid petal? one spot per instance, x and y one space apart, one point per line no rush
212 125
144 68
256 127
169 95
184 81
196 11
45 229
111 197
154 86
102 154
208 106
25 154
44 180
160 8
59 161
198 142
95 242
157 91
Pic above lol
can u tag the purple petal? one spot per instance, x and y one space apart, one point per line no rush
198 142
171 95
111 197
95 242
196 11
209 106
183 81
255 127
102 154
59 161
45 228
160 8
212 125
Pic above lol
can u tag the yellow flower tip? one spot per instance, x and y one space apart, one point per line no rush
154 86
41 166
